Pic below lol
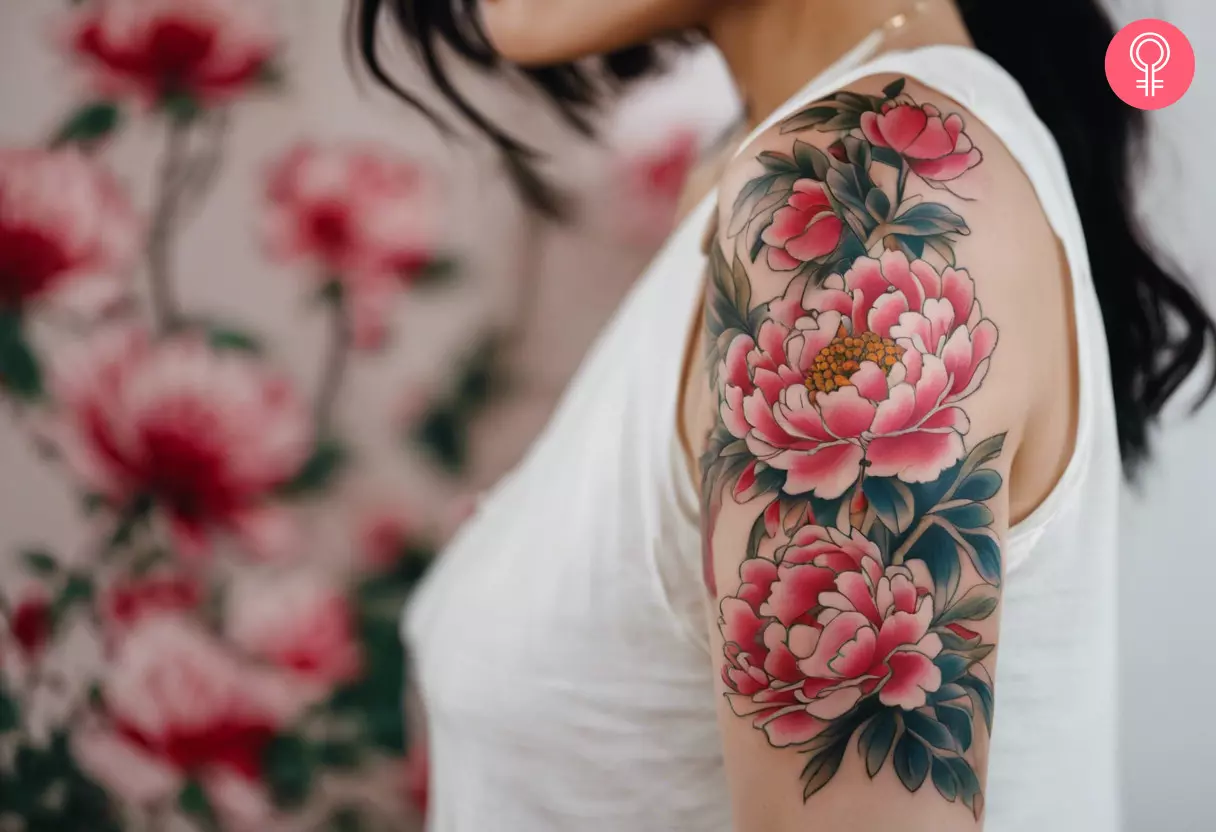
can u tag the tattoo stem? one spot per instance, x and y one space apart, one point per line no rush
899 188
170 188
341 338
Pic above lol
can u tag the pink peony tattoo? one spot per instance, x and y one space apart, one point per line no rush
804 228
841 420
935 148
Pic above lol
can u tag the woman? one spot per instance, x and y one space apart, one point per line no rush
904 416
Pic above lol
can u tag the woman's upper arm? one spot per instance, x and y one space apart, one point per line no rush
855 483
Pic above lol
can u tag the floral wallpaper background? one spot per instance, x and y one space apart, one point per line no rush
264 336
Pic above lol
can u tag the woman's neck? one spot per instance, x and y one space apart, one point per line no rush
773 47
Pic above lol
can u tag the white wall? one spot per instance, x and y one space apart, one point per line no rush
1169 542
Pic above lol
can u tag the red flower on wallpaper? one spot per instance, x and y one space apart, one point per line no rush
65 226
359 216
803 229
211 50
206 436
653 183
807 638
936 148
873 375
307 629
31 624
383 533
176 704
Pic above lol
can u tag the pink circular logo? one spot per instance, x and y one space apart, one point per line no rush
1150 64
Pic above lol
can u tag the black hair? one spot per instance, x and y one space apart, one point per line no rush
574 90
1157 331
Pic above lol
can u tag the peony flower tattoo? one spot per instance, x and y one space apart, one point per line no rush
867 368
806 639
872 561
804 228
935 148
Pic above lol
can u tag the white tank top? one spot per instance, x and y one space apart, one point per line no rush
560 642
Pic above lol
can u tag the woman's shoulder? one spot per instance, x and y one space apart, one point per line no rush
886 186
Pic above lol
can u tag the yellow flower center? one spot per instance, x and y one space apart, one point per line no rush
836 363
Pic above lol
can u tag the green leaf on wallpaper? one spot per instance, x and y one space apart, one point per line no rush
145 560
288 766
181 107
271 74
443 431
131 518
346 819
20 373
437 272
193 801
319 470
78 589
10 715
40 562
90 123
229 338
339 754
332 292
46 788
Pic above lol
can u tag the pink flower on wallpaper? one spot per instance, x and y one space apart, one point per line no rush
210 49
207 436
176 704
803 229
808 638
653 183
129 601
65 226
356 215
300 622
873 373
382 536
936 148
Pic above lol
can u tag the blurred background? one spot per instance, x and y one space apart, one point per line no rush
376 328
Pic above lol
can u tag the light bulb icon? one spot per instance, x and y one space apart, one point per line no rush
1150 83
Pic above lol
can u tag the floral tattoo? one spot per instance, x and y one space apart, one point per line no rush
839 406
